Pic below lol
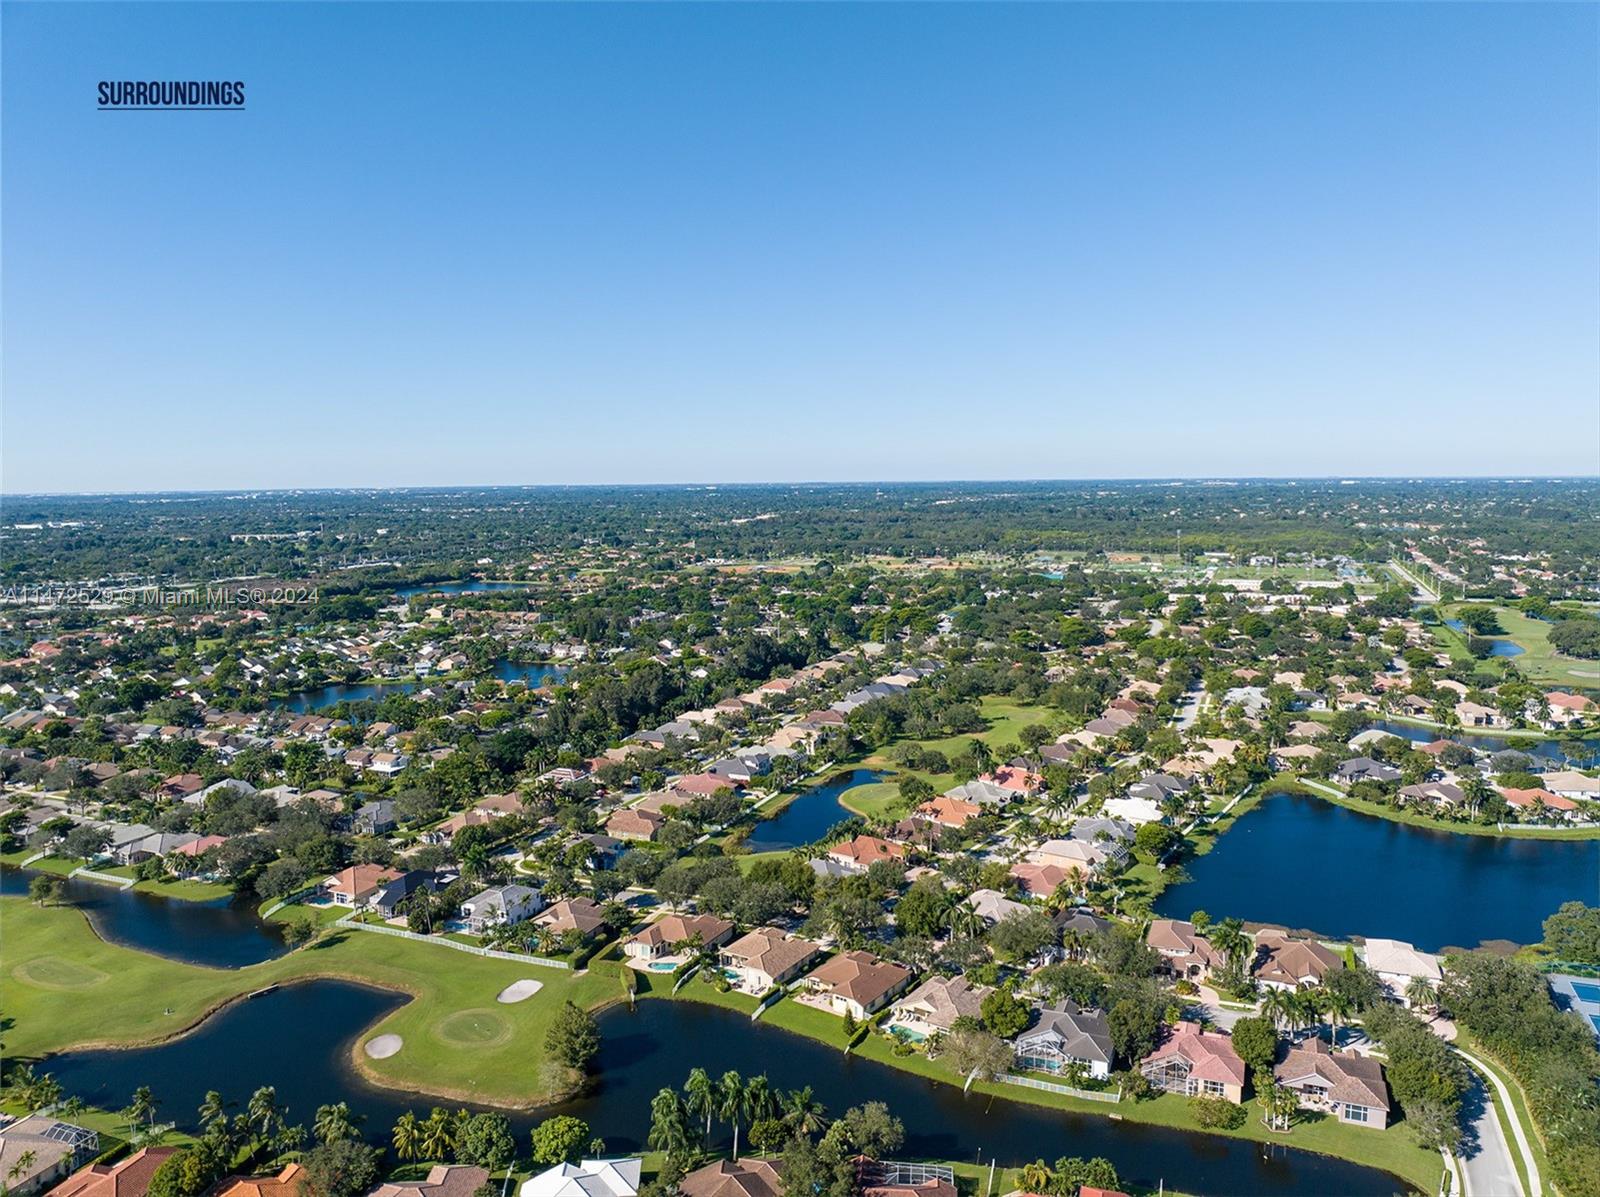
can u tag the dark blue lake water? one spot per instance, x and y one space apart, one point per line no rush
1308 864
306 701
810 815
474 586
1558 754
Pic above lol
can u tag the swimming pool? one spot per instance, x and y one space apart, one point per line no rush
662 966
1595 1019
1587 992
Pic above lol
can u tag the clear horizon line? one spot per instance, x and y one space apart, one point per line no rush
838 482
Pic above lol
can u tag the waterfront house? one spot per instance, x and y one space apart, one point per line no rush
1185 953
1472 714
1364 768
668 934
734 1178
934 1006
37 1150
290 1182
1397 964
128 1177
767 957
392 895
855 983
355 886
1195 1063
1290 964
1133 809
1569 783
443 1180
949 812
1347 1085
1064 1035
1537 800
587 1178
861 853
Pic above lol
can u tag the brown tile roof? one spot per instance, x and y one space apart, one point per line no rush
724 1178
126 1178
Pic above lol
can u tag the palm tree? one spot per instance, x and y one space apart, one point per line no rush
668 1132
1338 1006
759 1100
730 1103
1278 1005
803 1111
263 1114
438 1135
334 1122
1036 1177
213 1110
700 1097
1420 993
966 921
24 1161
407 1136
144 1104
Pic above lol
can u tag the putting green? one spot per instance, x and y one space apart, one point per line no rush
473 1028
56 972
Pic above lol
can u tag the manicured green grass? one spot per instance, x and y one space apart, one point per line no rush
872 801
1539 661
66 988
1416 818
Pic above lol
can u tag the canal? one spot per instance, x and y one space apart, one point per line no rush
300 1038
1306 863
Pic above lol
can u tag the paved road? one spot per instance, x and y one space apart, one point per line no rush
1486 1156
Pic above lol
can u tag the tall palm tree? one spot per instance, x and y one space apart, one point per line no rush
966 921
1338 1007
803 1111
263 1113
1278 1006
334 1122
759 1100
143 1105
668 1131
24 1161
407 1136
700 1096
213 1110
438 1135
730 1103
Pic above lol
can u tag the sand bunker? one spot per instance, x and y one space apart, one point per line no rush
519 991
381 1047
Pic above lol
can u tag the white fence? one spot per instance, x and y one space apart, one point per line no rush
1029 1082
108 878
472 949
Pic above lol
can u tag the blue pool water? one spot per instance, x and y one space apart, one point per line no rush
1595 1019
1587 993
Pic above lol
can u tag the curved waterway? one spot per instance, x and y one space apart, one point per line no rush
808 817
223 933
300 1038
1306 863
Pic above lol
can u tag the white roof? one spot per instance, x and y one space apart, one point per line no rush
1402 959
590 1178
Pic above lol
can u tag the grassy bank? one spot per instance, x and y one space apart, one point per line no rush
1415 818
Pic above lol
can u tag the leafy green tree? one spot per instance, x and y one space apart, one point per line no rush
341 1168
573 1037
1004 1014
486 1140
1256 1042
559 1139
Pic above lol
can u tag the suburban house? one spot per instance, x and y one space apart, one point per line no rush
588 1178
391 896
632 824
443 1180
1564 708
1075 856
573 914
1364 768
1347 1085
500 905
357 885
290 1182
1473 714
1195 1063
1159 787
767 957
1397 964
1064 1035
949 812
861 853
731 1178
1569 783
376 818
934 1006
1134 809
855 983
663 937
37 1150
1187 954
1291 964
1537 800
128 1177
992 905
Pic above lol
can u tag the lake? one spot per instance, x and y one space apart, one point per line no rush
1305 863
218 934
808 817
306 701
299 1039
473 586
1558 754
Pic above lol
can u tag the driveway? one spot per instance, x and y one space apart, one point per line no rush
1487 1167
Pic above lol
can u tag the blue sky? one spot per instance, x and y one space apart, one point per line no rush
528 244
